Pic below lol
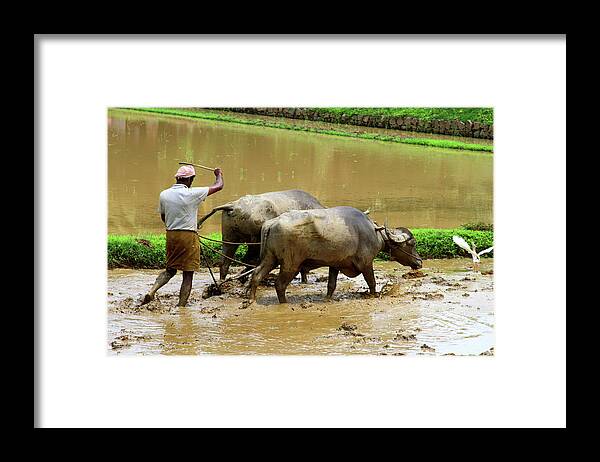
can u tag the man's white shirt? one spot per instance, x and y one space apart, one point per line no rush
180 206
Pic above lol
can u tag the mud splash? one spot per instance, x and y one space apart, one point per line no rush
426 315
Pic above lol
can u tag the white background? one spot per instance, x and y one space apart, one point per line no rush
524 384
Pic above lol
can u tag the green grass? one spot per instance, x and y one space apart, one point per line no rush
439 143
479 226
475 114
437 243
129 251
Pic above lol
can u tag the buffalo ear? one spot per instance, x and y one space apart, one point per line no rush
397 236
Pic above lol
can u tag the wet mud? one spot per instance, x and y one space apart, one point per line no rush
444 309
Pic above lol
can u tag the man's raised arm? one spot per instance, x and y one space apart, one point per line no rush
218 184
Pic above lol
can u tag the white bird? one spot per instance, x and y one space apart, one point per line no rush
459 241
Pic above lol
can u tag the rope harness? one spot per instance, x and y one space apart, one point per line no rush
225 256
216 284
227 242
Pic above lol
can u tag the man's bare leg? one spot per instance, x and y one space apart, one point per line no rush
186 288
304 276
161 280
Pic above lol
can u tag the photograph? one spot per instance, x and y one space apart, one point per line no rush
300 231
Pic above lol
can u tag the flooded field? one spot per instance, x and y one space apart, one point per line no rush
447 309
413 186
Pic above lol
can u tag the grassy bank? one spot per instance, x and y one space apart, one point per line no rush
148 250
205 115
481 115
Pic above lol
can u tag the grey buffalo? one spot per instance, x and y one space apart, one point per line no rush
242 219
342 238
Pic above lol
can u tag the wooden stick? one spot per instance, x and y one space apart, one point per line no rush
197 165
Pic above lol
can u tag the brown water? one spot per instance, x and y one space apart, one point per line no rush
409 185
448 311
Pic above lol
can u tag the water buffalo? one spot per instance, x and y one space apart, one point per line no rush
342 238
243 218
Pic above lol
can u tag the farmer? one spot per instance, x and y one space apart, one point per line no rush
178 207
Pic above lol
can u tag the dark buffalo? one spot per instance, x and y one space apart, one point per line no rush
342 238
242 220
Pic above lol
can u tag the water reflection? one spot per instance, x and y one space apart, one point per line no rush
409 185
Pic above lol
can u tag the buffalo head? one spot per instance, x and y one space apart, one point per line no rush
402 247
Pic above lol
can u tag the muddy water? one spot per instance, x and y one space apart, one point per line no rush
447 311
412 186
